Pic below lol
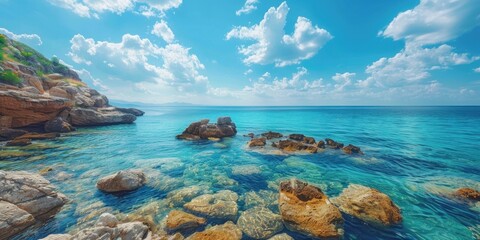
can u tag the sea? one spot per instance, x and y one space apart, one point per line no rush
416 155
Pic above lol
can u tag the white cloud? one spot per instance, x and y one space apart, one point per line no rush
92 8
248 72
273 46
248 7
412 64
29 39
162 30
477 70
343 80
434 21
138 60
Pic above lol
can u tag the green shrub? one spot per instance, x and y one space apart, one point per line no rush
3 41
10 77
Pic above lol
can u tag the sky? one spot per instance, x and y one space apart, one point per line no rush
259 52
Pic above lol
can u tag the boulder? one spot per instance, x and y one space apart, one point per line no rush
293 146
224 121
9 133
226 231
122 181
132 111
332 144
107 220
222 205
309 140
25 198
39 136
271 135
58 125
100 116
180 220
18 143
58 237
368 204
321 144
351 149
202 130
282 236
296 137
260 223
94 233
306 209
257 142
59 92
467 193
132 230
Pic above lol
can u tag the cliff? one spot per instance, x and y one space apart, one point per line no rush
36 92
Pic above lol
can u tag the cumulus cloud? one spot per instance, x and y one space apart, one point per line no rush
93 8
138 60
248 7
434 21
162 30
29 39
273 45
342 80
477 70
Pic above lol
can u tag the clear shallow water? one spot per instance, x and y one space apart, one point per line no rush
416 155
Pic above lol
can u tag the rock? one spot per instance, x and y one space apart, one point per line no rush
293 146
99 116
250 135
321 144
45 170
468 193
30 89
202 130
187 136
368 204
38 136
246 170
122 181
260 223
19 143
179 220
351 149
58 125
54 76
271 135
224 121
107 220
9 133
306 209
333 144
13 219
58 237
132 111
263 198
226 231
28 109
222 204
309 140
257 142
26 198
282 236
132 230
296 137
101 233
59 92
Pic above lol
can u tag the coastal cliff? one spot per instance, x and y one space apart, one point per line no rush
39 93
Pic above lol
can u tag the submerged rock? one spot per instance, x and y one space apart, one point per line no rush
257 142
122 181
226 231
39 136
222 204
282 236
293 146
26 198
202 130
260 223
179 220
332 144
306 209
368 204
18 143
351 149
271 135
468 193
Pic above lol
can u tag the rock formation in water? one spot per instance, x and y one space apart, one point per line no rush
44 94
122 181
203 130
25 199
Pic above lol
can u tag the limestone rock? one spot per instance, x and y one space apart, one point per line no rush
222 204
293 146
108 220
58 237
58 125
271 135
226 231
202 130
306 209
99 116
282 236
257 142
132 230
13 219
122 181
260 223
179 220
132 111
368 204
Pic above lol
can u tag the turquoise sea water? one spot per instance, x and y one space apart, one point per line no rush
416 155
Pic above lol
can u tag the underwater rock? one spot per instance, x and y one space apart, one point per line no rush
467 193
18 143
39 136
264 198
246 170
260 223
250 135
28 197
122 181
257 142
58 125
368 204
293 146
271 135
306 209
222 205
351 149
226 231
132 230
180 220
202 130
282 236
332 144
179 197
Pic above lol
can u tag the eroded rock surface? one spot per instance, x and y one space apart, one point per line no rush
226 231
203 130
260 223
180 220
222 204
122 181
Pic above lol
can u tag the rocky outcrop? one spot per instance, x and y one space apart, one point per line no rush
39 136
302 138
58 125
351 149
122 181
271 135
203 130
468 194
99 116
306 209
133 111
18 143
293 146
368 204
282 236
221 205
179 220
9 134
260 223
332 144
226 231
25 198
257 142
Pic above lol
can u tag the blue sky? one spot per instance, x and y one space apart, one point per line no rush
257 52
